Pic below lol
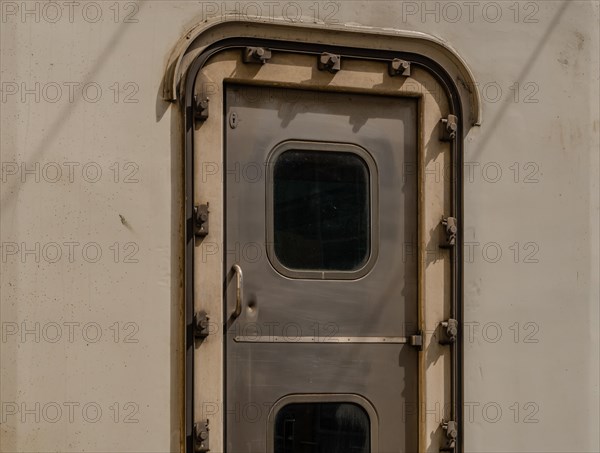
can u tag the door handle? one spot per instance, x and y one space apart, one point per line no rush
239 294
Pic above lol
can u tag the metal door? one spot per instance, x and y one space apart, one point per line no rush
321 275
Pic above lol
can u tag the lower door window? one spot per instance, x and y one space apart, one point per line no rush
322 428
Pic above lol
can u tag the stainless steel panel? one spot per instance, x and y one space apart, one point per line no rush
382 303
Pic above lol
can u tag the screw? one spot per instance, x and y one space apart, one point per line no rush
399 67
329 60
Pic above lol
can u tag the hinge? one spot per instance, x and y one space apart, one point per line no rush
448 129
449 231
451 429
329 62
416 341
256 55
201 437
201 326
201 220
450 330
200 108
398 67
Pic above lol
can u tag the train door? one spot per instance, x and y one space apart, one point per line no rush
321 271
322 338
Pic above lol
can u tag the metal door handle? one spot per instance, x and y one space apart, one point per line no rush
239 295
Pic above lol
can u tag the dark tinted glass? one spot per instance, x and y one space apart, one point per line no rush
321 210
322 428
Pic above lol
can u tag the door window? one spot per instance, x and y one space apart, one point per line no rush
321 207
322 427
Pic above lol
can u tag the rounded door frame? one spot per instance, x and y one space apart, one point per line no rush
194 81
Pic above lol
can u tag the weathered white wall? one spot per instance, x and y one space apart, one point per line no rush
120 377
549 127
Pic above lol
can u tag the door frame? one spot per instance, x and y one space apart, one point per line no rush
189 107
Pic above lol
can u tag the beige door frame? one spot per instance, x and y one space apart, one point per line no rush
298 70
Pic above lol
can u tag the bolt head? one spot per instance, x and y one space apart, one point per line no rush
400 65
329 60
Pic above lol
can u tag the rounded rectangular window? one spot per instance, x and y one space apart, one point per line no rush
322 427
322 199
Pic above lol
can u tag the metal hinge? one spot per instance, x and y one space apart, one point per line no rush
201 326
451 429
416 341
398 67
449 127
329 62
201 437
201 220
200 108
450 331
449 231
256 55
